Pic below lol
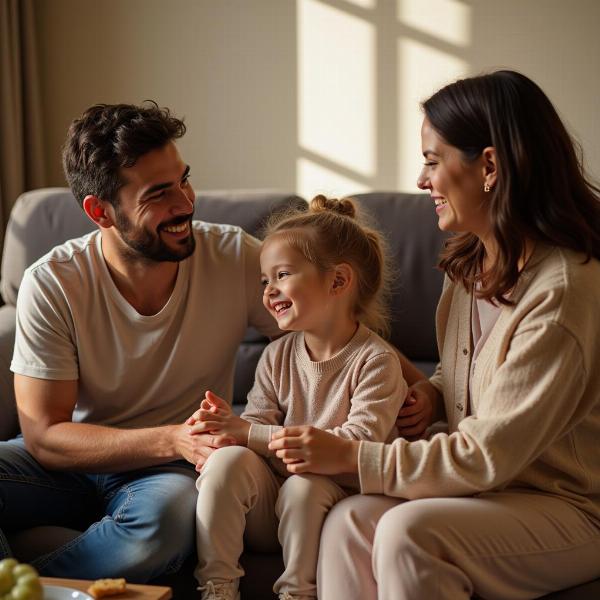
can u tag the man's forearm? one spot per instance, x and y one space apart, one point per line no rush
97 449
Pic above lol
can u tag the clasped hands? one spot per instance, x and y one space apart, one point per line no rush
214 425
216 416
302 448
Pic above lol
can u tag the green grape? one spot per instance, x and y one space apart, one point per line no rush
6 581
30 579
26 592
22 569
19 581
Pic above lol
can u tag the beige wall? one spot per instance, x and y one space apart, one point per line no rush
308 95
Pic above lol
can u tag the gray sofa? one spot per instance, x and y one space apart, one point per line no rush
44 218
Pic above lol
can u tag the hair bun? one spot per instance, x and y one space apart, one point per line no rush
321 203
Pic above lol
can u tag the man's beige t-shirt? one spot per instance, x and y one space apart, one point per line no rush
136 370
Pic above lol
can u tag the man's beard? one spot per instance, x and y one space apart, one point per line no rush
148 245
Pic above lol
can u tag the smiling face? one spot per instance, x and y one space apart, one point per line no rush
296 292
456 186
154 210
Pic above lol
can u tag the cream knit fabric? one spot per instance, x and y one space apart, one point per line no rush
535 410
356 394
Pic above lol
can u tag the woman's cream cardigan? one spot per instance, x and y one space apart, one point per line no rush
534 418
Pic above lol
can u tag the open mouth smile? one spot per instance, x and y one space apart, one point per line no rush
280 307
440 204
176 228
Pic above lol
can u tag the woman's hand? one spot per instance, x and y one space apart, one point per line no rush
215 416
306 449
416 413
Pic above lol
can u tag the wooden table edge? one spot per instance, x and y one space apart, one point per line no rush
134 590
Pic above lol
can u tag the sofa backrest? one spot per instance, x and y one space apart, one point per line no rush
409 224
39 220
44 218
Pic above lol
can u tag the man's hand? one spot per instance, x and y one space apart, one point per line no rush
307 449
197 448
416 413
215 416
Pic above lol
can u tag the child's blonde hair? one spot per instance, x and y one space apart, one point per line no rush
334 231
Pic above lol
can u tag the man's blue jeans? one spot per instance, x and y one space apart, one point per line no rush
138 524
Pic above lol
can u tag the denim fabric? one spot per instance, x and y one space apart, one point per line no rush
137 524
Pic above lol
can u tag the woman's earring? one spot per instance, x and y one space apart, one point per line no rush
486 187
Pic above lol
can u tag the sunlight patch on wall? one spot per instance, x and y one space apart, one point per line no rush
315 179
363 3
422 71
447 20
336 86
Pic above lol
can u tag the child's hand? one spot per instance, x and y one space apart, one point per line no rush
212 403
227 424
307 449
216 416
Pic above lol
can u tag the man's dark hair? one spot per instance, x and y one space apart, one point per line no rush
108 137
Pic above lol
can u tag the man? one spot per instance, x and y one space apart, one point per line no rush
119 335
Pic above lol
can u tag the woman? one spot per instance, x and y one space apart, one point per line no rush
507 503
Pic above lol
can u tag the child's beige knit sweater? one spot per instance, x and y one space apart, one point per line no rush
356 394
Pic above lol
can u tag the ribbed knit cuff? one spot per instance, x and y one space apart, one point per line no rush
259 437
370 467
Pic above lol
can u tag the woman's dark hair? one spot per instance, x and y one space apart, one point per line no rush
541 192
108 137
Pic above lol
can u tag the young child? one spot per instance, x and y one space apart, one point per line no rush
324 277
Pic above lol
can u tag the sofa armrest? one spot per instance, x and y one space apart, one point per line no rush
9 424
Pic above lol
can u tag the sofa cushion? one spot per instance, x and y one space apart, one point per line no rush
248 209
409 223
39 220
